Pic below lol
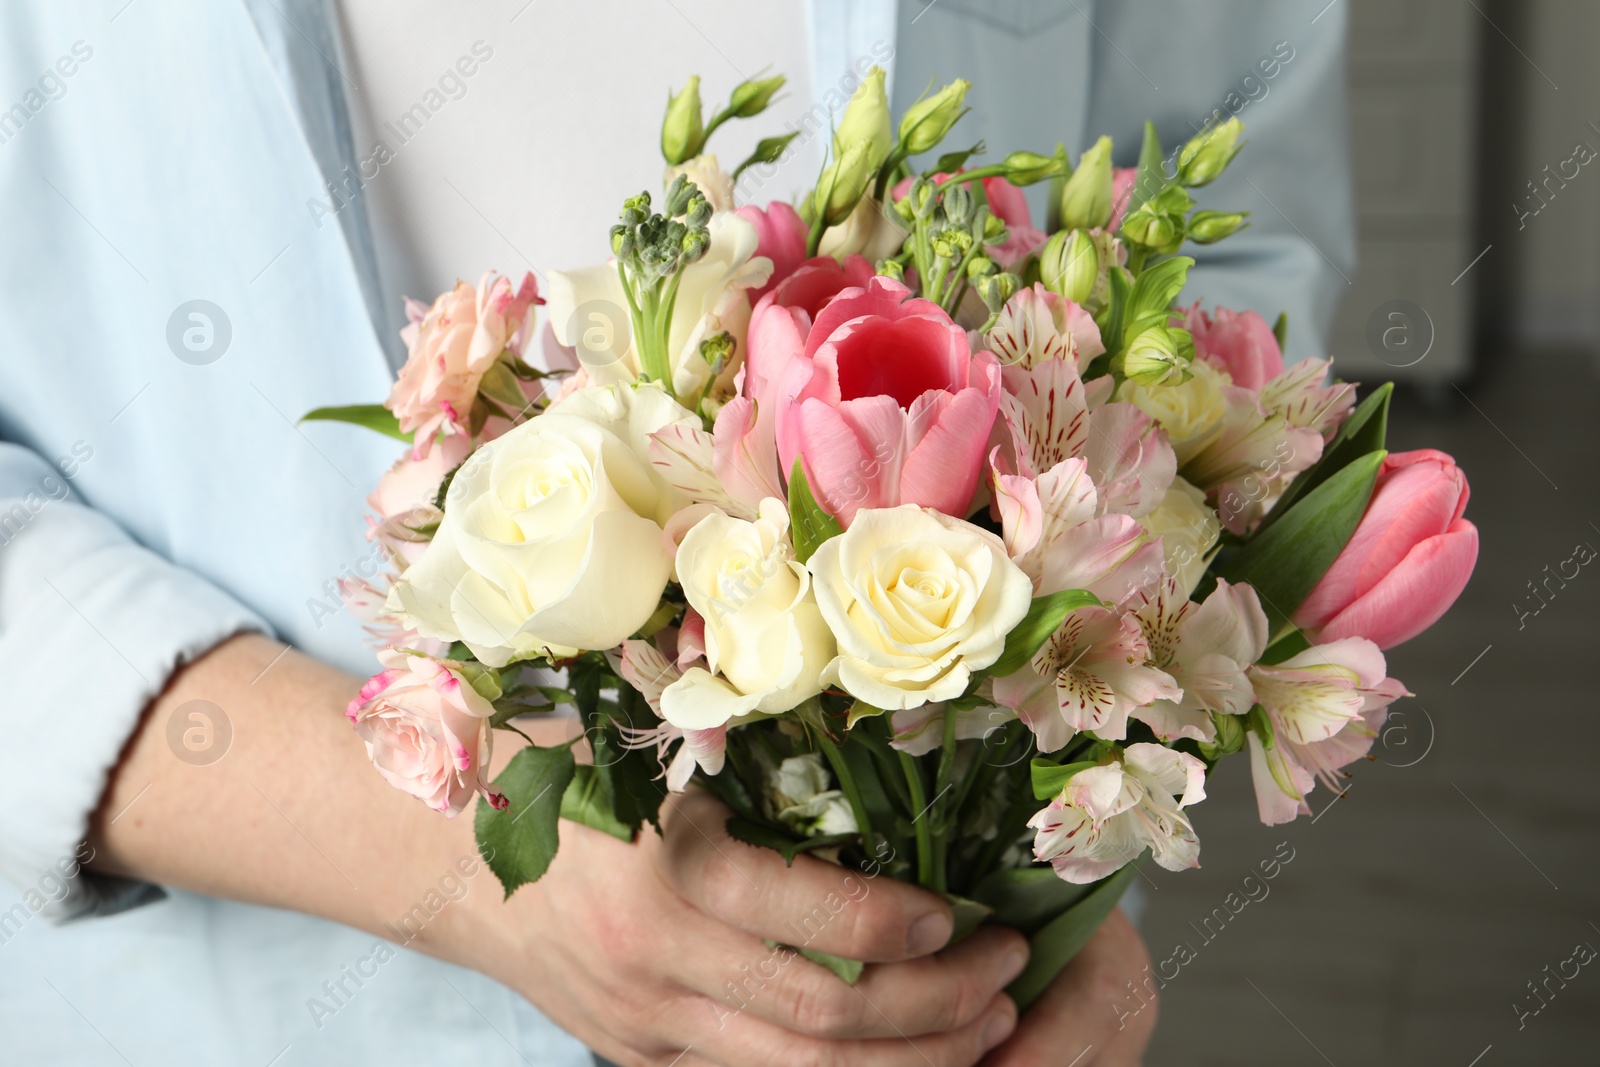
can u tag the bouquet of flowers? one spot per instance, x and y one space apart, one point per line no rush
933 543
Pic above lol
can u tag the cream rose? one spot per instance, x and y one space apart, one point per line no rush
551 538
1191 412
917 601
1188 527
589 311
765 641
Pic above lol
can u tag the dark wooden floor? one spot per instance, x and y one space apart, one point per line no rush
1417 910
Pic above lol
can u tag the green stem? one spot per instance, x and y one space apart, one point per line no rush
995 170
924 828
942 786
852 792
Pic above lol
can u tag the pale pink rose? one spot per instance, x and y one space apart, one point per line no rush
1239 342
427 731
1408 560
1123 180
450 346
882 397
781 236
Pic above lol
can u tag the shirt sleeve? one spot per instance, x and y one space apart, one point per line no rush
1180 64
92 625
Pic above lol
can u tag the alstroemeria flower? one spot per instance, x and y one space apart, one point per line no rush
642 665
1324 706
1106 816
1207 648
1089 675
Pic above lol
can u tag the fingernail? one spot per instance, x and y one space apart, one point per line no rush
928 934
1013 965
997 1029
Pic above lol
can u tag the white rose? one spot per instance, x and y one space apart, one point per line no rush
551 537
1191 412
1188 527
711 299
766 643
871 230
917 601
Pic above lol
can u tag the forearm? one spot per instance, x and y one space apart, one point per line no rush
291 815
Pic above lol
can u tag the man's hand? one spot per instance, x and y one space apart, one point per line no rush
657 953
1088 1017
642 950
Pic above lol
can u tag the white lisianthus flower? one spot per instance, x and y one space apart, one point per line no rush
1188 527
1191 412
917 601
551 539
765 641
589 311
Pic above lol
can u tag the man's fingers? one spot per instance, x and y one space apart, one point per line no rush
819 905
1088 1016
744 1040
928 995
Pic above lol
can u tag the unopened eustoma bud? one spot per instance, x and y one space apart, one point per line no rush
684 127
927 121
1086 199
1209 227
1159 356
1209 152
1230 733
1026 168
844 182
1071 265
750 98
1158 223
866 121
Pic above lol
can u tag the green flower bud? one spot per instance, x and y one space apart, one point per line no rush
1209 152
927 121
1086 199
979 266
684 127
698 212
679 193
1025 168
959 204
1230 736
1209 227
621 241
636 209
995 289
950 243
750 98
1158 356
1072 265
866 121
1158 223
891 268
716 350
844 183
694 244
994 229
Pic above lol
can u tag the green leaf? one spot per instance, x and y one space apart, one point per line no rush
519 841
809 525
1053 947
1111 319
634 772
951 162
1153 293
590 800
1043 619
1152 177
500 383
1280 329
1364 431
1050 778
859 710
372 416
782 842
968 915
1027 898
485 680
849 970
1286 561
768 150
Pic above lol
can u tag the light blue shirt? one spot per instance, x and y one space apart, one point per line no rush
156 495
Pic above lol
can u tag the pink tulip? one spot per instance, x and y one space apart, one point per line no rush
781 236
1239 342
1409 559
881 394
